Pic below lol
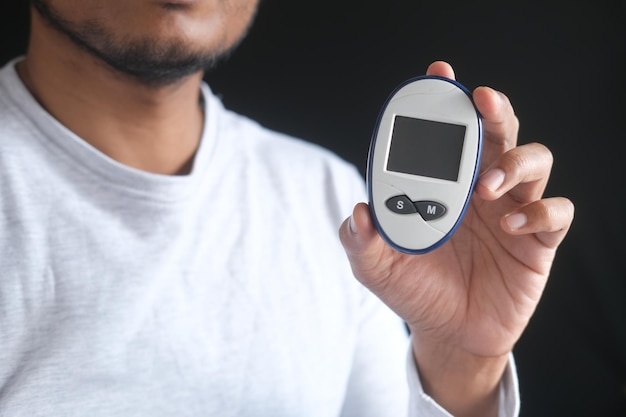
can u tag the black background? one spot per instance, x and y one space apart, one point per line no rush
320 70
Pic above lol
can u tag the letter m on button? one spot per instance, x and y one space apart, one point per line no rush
430 210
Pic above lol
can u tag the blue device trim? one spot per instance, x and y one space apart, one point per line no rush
371 157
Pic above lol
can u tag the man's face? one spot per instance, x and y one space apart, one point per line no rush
156 41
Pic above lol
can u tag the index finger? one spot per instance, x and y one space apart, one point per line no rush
500 123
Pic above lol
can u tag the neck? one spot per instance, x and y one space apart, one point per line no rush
151 128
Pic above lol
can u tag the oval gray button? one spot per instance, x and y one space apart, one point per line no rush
401 204
430 210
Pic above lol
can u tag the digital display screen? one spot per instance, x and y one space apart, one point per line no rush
426 148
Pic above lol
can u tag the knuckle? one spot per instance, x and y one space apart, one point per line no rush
554 213
514 160
544 151
530 159
547 212
515 123
570 207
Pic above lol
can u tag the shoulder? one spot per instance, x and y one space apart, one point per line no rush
13 123
279 147
291 163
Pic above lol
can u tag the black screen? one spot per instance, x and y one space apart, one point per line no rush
426 148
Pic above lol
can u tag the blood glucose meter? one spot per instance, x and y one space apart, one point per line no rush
423 162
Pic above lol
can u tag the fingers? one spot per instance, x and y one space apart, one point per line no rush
522 172
519 172
500 123
549 219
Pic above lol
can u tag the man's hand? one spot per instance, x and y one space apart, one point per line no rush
468 302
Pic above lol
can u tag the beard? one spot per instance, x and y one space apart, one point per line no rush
153 64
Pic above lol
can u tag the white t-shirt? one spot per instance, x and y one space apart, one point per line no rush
224 292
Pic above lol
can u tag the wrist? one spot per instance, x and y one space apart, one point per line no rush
461 382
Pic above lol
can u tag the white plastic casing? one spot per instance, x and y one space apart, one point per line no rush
436 99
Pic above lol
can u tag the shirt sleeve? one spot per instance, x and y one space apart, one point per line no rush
422 405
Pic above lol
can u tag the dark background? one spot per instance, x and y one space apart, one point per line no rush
320 70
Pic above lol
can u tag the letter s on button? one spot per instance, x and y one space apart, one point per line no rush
401 204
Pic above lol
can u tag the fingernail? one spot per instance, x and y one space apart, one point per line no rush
352 225
492 179
516 221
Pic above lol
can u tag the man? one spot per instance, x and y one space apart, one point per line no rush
163 256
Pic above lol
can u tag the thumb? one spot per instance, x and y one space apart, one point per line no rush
364 247
441 68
